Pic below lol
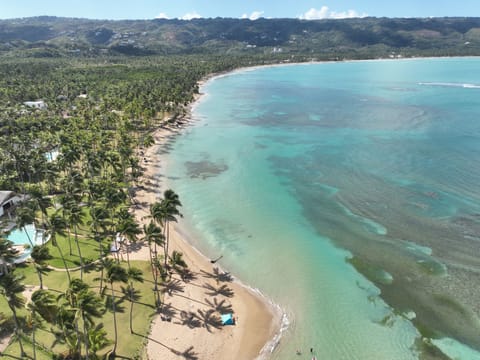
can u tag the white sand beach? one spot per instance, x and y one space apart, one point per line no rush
176 333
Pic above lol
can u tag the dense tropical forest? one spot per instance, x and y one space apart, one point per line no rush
319 39
102 88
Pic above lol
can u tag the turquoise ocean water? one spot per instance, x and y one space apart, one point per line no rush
348 193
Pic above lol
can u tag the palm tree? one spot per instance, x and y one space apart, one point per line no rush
71 295
89 306
115 273
68 334
56 226
99 217
177 263
25 215
148 140
45 304
73 186
40 200
134 274
163 212
39 255
113 197
153 234
156 213
7 254
51 176
99 225
129 228
33 321
66 200
11 288
105 263
97 339
169 205
75 218
69 154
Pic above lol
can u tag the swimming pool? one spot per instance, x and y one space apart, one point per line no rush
22 243
19 235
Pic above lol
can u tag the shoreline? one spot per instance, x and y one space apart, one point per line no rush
271 342
259 322
248 68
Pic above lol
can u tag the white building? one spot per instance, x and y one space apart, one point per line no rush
40 104
8 199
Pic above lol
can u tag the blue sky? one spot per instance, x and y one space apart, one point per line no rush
307 9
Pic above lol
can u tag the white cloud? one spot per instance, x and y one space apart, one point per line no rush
191 15
325 13
347 14
161 16
315 14
254 15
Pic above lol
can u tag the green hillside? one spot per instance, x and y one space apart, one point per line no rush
325 39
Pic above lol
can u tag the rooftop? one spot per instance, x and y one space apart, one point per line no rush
5 195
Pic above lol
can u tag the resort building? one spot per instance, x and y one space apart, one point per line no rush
8 200
40 104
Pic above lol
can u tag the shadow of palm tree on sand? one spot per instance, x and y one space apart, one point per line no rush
209 319
217 275
173 286
221 290
190 319
188 354
219 306
168 311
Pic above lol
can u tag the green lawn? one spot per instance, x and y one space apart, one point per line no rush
88 247
129 346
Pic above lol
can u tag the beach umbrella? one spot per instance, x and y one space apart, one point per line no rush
227 319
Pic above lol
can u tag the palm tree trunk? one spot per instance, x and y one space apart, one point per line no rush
17 330
152 266
40 279
155 275
128 253
100 254
155 248
70 242
64 262
85 335
165 247
114 321
34 344
79 253
79 343
131 308
151 259
33 337
28 236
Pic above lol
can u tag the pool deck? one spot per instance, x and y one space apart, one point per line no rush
9 226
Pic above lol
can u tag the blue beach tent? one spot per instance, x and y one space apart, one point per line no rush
227 319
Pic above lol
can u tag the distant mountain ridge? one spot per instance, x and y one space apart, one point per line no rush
47 36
